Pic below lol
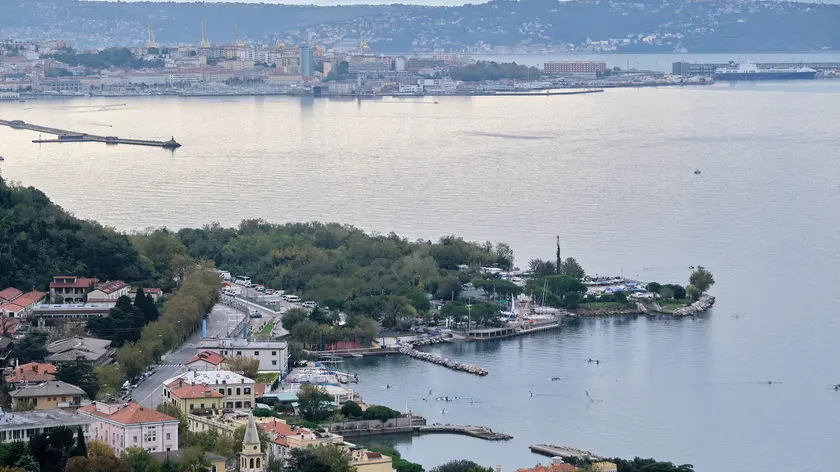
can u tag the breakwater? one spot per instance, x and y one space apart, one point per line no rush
67 136
553 450
481 432
409 351
704 303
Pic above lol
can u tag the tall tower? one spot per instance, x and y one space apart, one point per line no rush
205 43
150 42
250 459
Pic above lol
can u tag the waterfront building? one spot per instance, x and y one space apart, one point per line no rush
95 351
49 396
124 425
306 61
20 426
108 291
569 68
251 457
70 288
273 355
29 374
238 391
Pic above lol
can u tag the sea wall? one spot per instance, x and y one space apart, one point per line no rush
704 303
448 363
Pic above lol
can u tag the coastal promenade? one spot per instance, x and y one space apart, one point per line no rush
68 136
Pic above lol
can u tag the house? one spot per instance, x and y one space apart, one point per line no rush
238 390
5 349
124 425
20 426
217 462
193 397
206 360
108 291
95 351
604 466
17 304
30 374
557 465
155 293
367 461
285 437
71 289
273 355
49 396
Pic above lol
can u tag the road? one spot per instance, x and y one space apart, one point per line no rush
219 322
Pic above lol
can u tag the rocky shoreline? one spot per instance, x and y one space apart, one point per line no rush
704 303
409 351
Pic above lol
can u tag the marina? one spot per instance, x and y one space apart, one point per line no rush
67 136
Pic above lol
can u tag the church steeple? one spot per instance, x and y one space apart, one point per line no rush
250 459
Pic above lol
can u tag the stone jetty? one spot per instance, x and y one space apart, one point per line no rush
704 303
409 351
481 432
553 450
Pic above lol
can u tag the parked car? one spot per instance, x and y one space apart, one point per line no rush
309 304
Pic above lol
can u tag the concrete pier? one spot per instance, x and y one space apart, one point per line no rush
481 432
67 136
553 450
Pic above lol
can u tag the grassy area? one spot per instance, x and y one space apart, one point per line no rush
267 329
673 304
267 377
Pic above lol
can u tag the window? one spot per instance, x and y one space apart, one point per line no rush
238 353
251 461
238 391
135 439
258 462
202 406
168 437
191 407
256 353
247 404
222 391
273 362
238 404
273 353
230 391
247 390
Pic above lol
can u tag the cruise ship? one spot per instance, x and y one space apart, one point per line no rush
749 71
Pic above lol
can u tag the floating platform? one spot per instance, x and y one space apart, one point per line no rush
67 136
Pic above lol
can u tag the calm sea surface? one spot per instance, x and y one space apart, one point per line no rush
611 173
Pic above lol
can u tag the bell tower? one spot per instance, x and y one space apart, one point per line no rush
251 458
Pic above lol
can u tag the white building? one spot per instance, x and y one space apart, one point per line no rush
239 391
273 355
21 426
124 425
109 291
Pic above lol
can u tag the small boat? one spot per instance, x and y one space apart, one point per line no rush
697 172
435 102
358 355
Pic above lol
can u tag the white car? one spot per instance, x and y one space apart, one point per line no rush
309 304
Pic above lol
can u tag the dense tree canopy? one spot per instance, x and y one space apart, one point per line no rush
489 70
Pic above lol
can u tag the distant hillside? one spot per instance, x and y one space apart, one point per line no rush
38 240
647 26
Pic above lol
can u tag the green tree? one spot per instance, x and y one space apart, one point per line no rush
140 460
455 466
620 297
693 292
193 459
305 460
351 410
109 378
572 268
654 287
81 374
247 366
32 348
448 288
133 359
318 315
666 293
28 463
379 412
274 464
335 457
293 317
306 332
314 403
80 449
702 280
146 305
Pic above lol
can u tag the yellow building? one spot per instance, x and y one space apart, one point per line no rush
367 461
605 466
49 396
192 397
238 391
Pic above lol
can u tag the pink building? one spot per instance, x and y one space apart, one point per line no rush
124 425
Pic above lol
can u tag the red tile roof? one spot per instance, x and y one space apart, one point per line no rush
111 287
282 428
130 414
10 293
81 282
195 391
32 372
259 389
30 298
11 307
207 356
550 468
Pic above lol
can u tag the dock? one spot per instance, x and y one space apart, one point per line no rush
553 450
68 136
480 432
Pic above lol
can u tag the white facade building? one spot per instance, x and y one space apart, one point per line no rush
273 355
